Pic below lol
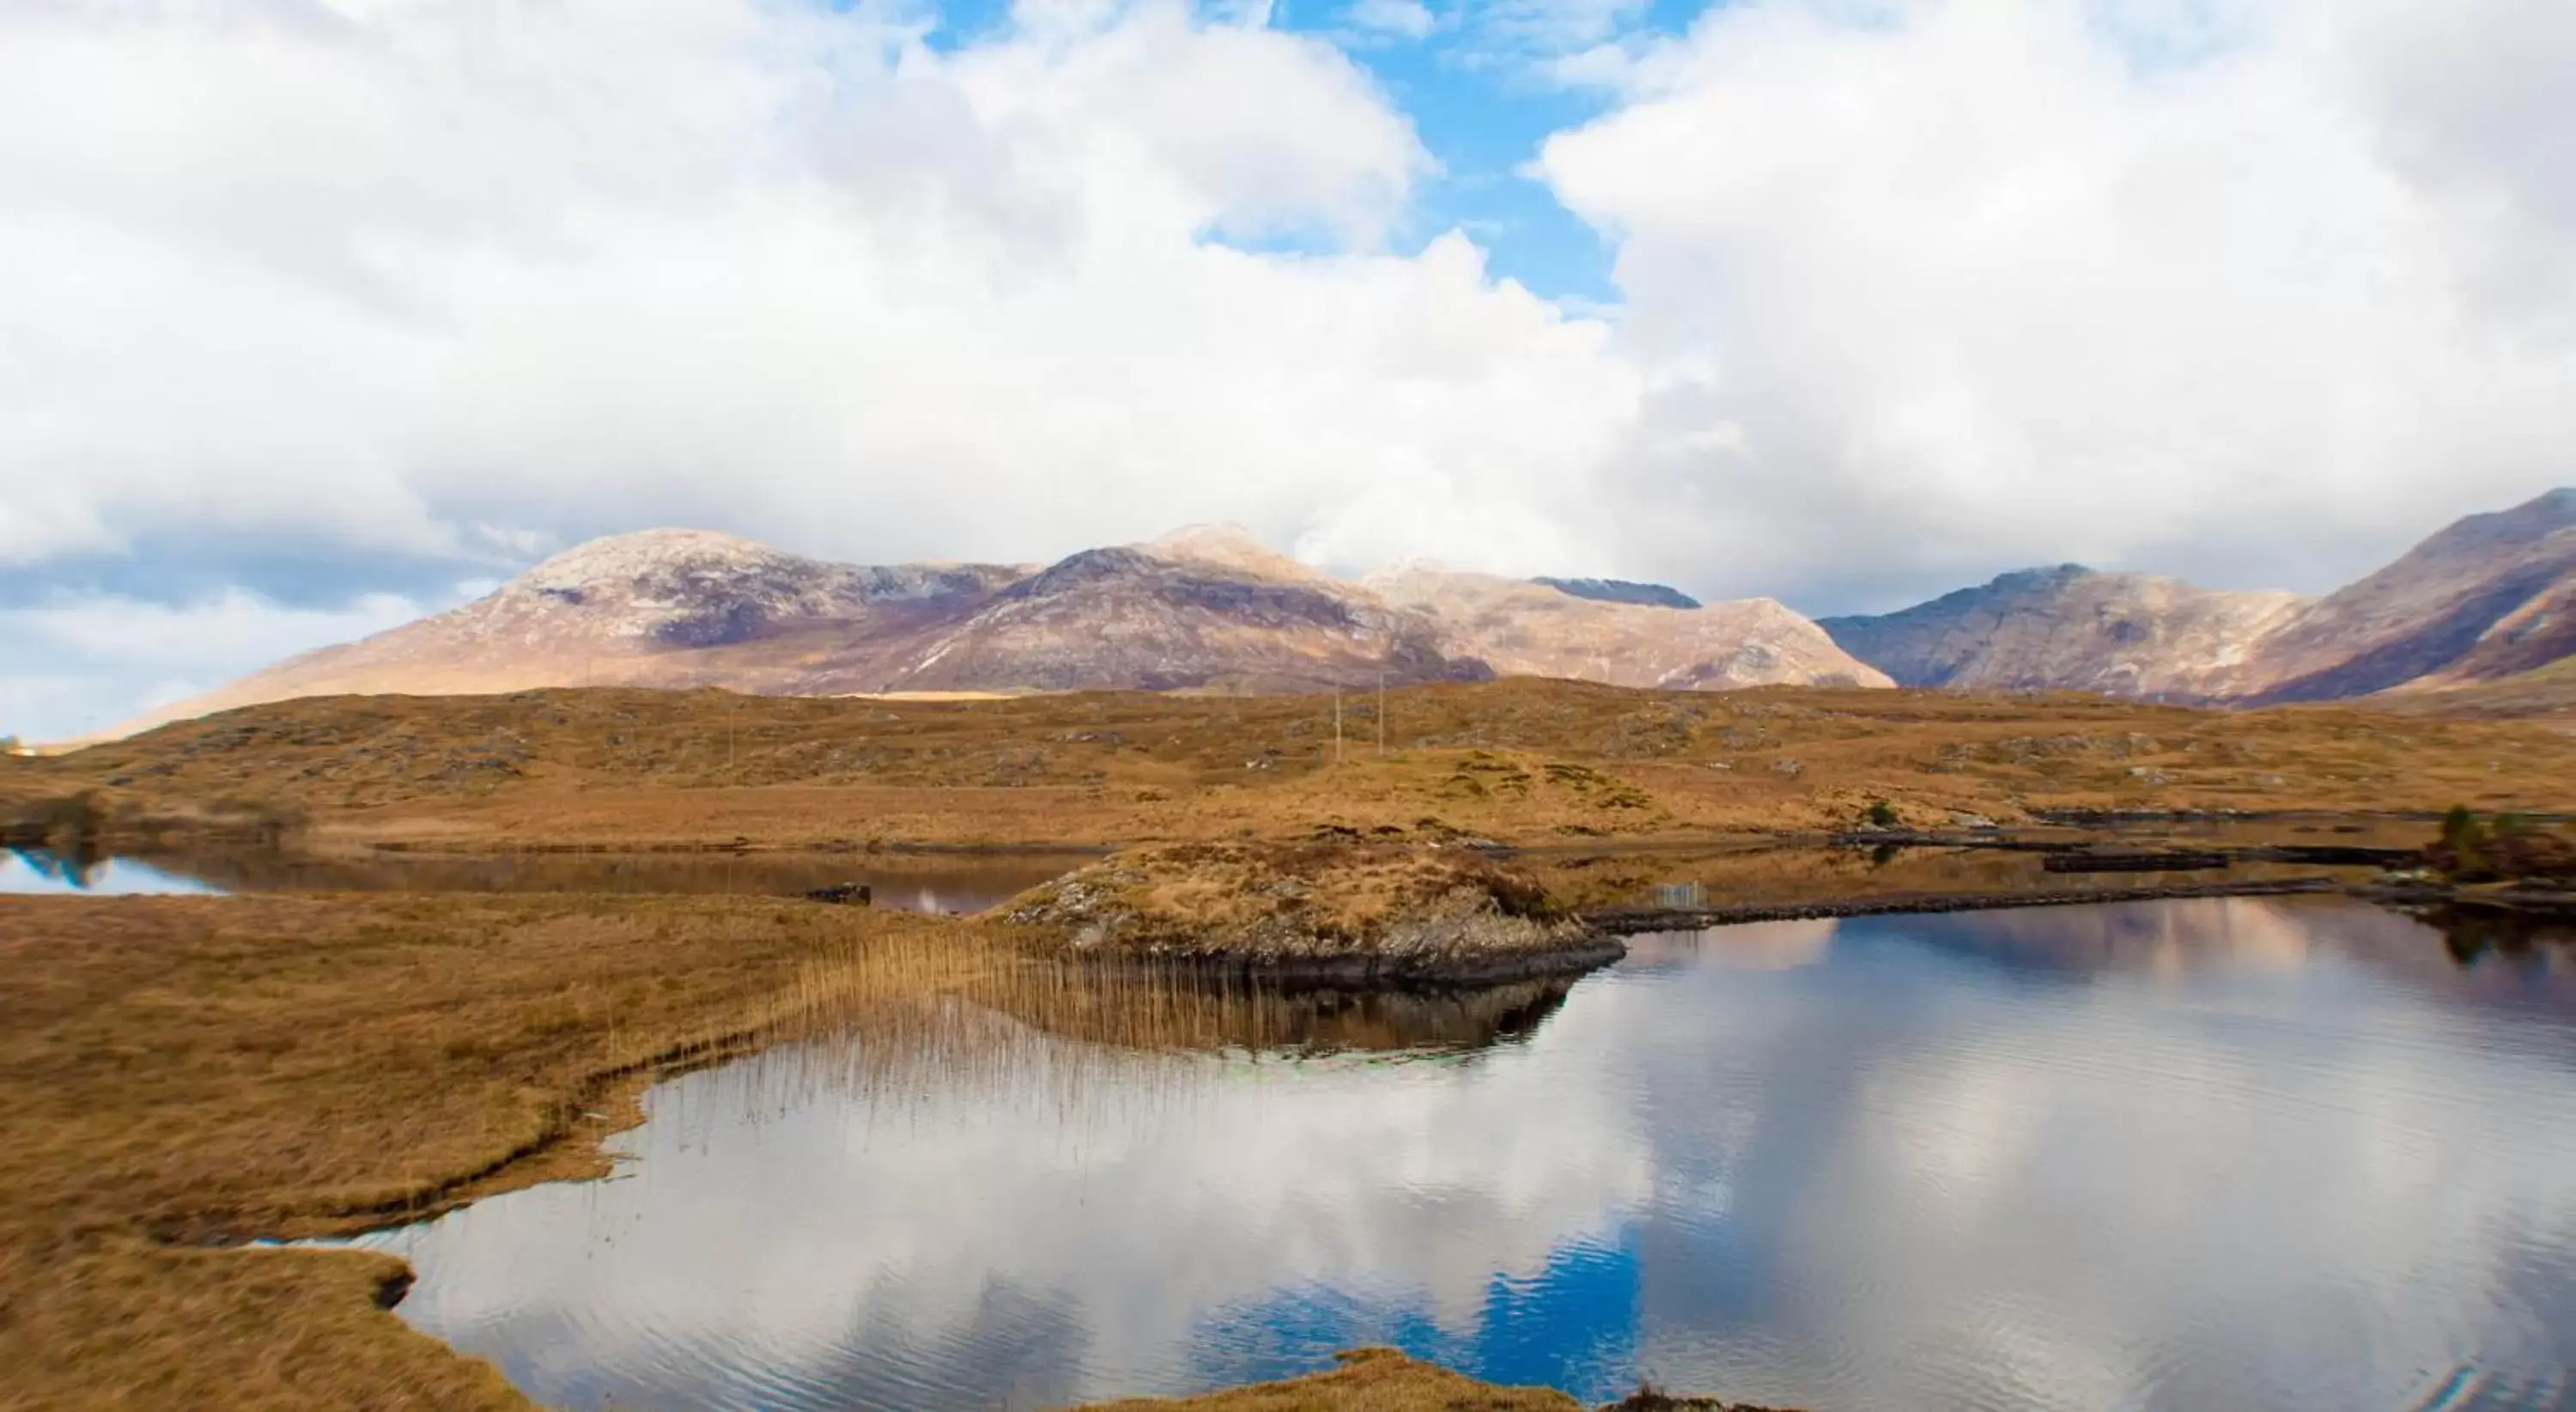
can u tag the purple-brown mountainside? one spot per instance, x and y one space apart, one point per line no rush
1207 608
2070 628
2491 597
2481 600
1524 628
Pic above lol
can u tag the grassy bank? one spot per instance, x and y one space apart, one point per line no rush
175 1071
1381 1380
1523 761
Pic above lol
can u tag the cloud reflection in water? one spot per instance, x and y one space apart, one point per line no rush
2168 1156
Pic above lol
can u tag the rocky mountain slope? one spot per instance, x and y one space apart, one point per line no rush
2071 628
667 607
2485 600
1530 628
2482 600
1205 608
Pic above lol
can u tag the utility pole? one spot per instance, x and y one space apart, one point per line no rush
1337 725
1381 713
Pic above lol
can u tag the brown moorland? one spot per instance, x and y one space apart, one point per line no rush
1521 761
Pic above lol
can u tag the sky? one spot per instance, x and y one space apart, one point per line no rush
319 314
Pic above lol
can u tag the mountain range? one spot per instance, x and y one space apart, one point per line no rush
2480 602
1212 609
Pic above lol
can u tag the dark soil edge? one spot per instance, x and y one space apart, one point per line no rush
1628 921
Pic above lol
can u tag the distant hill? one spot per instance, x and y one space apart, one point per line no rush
2070 628
2487 599
1206 608
2491 599
1521 628
2482 600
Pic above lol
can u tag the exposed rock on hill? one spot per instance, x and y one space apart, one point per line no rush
2482 600
2070 628
1208 611
1652 595
665 607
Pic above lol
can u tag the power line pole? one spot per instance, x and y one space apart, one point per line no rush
1337 725
1381 713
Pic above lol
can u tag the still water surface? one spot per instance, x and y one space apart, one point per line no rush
2186 1155
39 872
919 883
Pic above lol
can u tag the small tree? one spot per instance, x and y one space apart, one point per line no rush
2459 826
9 745
2462 853
1879 815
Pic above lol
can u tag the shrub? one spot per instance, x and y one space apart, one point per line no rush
1879 815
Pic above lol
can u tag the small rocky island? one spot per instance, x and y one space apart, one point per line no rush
1394 914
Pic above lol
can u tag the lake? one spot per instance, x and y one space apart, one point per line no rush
2177 1155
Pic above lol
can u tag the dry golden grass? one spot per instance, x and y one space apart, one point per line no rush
1356 910
1383 1380
175 1070
1522 760
1369 1380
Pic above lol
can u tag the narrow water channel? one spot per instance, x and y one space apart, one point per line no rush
920 883
2182 1155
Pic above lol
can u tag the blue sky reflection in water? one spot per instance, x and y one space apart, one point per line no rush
41 871
2165 1156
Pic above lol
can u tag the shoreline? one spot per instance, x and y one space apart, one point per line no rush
1631 921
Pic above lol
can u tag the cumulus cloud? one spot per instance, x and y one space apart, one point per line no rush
2256 293
380 273
1913 290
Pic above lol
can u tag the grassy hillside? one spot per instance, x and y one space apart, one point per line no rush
2548 691
1524 761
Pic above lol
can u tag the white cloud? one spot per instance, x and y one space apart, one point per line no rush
419 278
2254 292
1410 19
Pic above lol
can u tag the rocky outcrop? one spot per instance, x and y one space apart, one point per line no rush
1392 913
2071 628
1522 628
